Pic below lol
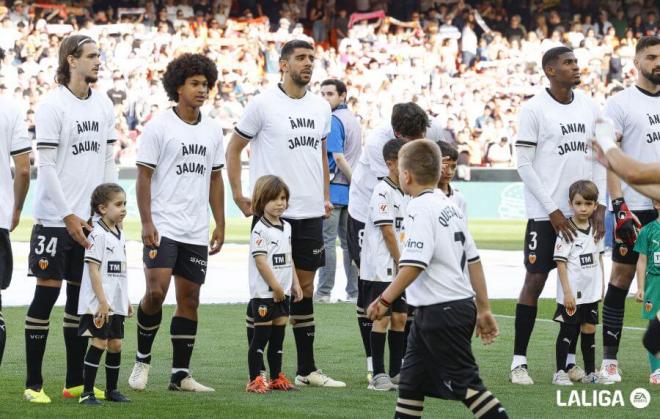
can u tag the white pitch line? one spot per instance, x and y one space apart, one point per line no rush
552 321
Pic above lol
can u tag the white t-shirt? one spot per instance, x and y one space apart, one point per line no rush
457 197
387 207
371 167
585 274
274 242
561 134
80 130
286 137
182 156
436 239
14 140
109 252
636 115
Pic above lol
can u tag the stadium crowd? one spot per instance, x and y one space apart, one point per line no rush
480 59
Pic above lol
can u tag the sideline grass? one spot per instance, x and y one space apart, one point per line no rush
220 360
489 234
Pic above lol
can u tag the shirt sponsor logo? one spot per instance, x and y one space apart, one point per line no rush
412 244
587 260
279 259
197 261
114 267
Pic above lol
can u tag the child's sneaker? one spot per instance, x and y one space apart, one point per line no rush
89 399
576 373
597 378
257 386
381 382
520 375
281 383
560 378
611 370
655 377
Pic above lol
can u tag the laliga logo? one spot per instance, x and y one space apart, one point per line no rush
639 398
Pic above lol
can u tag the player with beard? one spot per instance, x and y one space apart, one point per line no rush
553 152
75 135
286 127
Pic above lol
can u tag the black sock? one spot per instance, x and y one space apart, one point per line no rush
567 334
3 332
36 333
365 330
588 346
614 307
409 405
147 327
112 363
303 331
76 346
183 333
275 344
256 350
652 337
406 331
524 325
249 326
378 352
571 350
395 343
484 405
92 361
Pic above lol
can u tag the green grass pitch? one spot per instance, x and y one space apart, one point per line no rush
220 360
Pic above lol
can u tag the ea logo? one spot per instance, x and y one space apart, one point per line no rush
640 398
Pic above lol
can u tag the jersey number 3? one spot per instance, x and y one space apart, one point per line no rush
50 248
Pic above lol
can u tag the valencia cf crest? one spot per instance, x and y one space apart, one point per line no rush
623 250
43 264
570 311
153 253
532 258
648 306
263 311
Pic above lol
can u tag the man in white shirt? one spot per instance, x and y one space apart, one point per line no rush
286 127
75 136
553 152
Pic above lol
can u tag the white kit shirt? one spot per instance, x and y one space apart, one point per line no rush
457 197
286 136
585 274
109 252
274 242
561 134
182 156
387 207
636 115
80 130
14 140
436 239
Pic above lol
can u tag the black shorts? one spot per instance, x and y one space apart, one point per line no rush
584 313
354 234
186 260
438 360
55 255
6 259
266 309
539 251
113 329
622 253
371 291
360 296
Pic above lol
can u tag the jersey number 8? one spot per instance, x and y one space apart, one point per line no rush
50 248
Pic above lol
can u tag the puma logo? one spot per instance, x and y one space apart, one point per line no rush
579 245
614 335
383 195
567 340
655 242
412 217
110 249
447 384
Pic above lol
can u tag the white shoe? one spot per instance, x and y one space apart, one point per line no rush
396 379
655 377
318 379
611 371
189 384
560 378
139 376
322 299
576 373
519 375
381 382
596 378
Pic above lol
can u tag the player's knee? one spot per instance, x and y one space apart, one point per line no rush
380 326
588 328
154 297
531 290
398 321
189 302
101 344
114 345
622 275
307 289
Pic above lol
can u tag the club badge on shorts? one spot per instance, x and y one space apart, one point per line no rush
43 264
648 306
153 253
623 250
532 258
263 311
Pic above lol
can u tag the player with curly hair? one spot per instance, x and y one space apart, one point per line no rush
180 157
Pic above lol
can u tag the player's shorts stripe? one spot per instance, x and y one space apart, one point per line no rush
45 144
563 259
474 259
525 143
21 151
93 260
383 222
112 140
259 252
216 168
408 412
145 164
411 262
183 337
242 134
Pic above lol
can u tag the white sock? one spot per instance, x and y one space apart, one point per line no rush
518 360
370 365
570 359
